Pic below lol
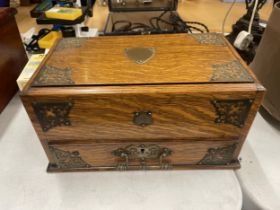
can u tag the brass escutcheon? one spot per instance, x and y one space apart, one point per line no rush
140 55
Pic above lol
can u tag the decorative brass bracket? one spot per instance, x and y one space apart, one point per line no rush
50 75
52 114
66 159
140 55
233 112
142 153
219 156
209 38
232 71
69 43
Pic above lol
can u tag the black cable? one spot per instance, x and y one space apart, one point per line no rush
142 24
157 24
122 28
164 21
176 23
33 46
198 23
151 22
197 29
162 14
139 26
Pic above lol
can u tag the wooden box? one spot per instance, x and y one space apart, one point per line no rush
139 12
142 102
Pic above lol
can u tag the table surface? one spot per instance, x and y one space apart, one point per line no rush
260 172
25 185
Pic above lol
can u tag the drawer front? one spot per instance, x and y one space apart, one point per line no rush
143 155
216 116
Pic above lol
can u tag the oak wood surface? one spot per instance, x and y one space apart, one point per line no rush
138 89
251 116
178 115
178 58
101 154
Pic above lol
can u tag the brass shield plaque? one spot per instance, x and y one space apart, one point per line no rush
139 55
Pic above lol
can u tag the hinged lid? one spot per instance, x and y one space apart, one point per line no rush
140 60
142 5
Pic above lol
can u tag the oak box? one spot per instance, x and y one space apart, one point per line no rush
142 102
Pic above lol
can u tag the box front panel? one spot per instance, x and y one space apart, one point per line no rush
201 114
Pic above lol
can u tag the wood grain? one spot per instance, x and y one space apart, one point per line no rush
184 154
178 58
177 115
252 114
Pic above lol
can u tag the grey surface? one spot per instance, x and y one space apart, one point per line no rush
260 173
25 185
266 63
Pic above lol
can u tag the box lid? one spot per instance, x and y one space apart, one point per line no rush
142 60
142 5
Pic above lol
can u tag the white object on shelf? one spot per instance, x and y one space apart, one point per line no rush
92 32
29 69
243 40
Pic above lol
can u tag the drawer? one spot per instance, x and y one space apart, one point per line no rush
205 114
142 155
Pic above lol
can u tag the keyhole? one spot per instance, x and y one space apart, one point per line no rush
142 150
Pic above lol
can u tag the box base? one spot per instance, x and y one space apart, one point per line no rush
53 168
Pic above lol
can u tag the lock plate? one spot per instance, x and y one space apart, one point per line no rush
142 153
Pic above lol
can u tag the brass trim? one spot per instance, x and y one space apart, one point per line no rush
233 112
219 156
232 71
140 55
69 43
142 153
209 38
66 159
52 114
50 75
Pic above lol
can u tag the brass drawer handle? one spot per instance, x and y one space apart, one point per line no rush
142 153
143 118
